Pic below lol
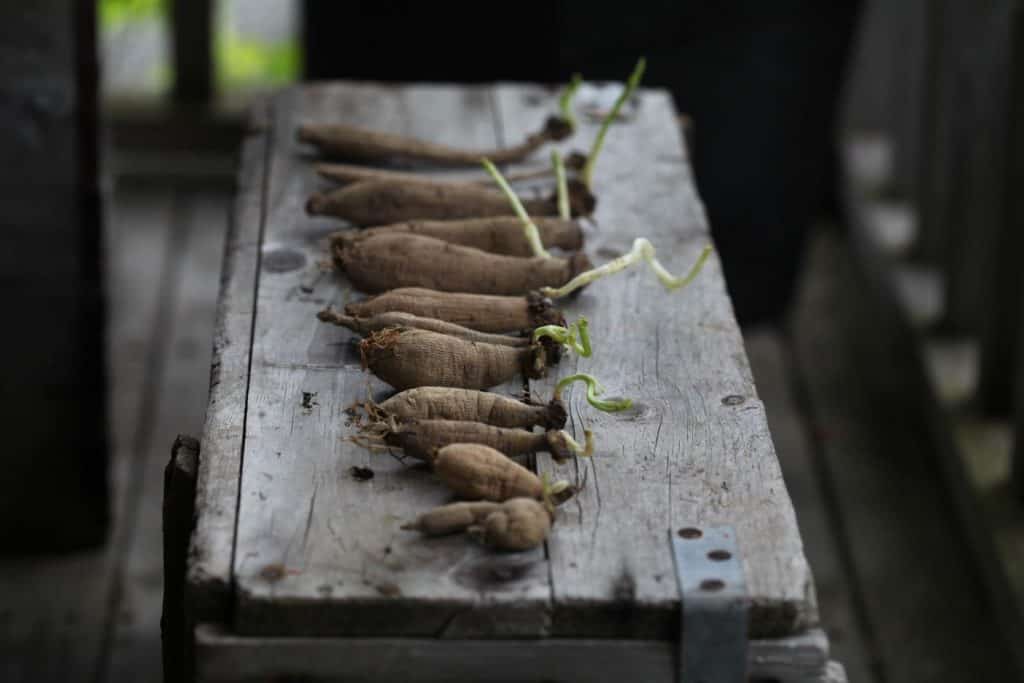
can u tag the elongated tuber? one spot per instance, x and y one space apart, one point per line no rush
497 234
406 357
345 141
389 261
483 312
519 524
382 321
478 472
375 202
449 403
451 518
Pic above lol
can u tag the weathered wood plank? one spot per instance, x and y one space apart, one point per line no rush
57 607
697 450
213 541
870 412
180 406
770 353
318 551
225 657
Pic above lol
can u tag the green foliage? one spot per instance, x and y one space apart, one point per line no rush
114 14
245 61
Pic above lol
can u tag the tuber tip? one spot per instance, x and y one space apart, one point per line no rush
557 128
410 526
581 199
315 204
555 415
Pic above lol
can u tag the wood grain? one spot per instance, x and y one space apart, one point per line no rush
697 449
320 553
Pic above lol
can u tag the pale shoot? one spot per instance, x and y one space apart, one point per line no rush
594 388
529 228
584 451
565 100
631 85
642 250
575 337
562 184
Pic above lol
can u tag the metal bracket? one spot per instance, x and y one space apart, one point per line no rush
713 593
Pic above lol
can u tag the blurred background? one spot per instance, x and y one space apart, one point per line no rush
862 165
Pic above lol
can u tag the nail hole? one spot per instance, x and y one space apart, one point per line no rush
733 400
719 555
712 585
690 533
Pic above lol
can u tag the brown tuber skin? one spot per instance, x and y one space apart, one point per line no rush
376 202
352 142
407 357
479 472
349 173
389 261
476 311
498 235
421 439
452 518
382 321
447 403
519 524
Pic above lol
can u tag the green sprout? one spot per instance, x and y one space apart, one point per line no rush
642 250
565 100
631 85
575 337
529 228
594 389
562 184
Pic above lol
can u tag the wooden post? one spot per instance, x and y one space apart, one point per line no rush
53 494
178 509
193 52
1000 331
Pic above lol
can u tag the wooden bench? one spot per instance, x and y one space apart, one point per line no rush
297 568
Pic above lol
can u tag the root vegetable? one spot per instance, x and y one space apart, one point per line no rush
406 357
421 439
381 321
479 472
389 261
349 173
375 202
497 234
352 142
476 311
519 524
447 403
452 518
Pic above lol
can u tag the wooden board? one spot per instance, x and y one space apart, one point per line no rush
883 465
320 553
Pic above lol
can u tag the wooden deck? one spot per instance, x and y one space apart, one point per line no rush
898 599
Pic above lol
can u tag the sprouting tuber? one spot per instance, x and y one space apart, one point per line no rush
496 234
483 312
516 524
519 524
478 472
345 174
450 403
389 261
380 321
421 439
345 141
375 202
406 357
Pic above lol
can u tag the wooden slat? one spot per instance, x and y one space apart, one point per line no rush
824 536
697 450
58 606
872 419
224 657
213 540
180 407
317 551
